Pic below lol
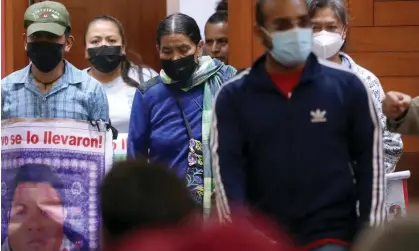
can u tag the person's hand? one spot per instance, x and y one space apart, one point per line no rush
395 104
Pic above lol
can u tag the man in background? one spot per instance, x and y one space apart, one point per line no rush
51 87
216 36
286 131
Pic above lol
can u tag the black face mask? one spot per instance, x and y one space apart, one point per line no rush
180 69
44 55
105 58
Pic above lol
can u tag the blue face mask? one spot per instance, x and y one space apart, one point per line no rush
292 47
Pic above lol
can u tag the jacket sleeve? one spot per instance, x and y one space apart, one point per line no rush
139 130
393 144
409 124
228 160
366 149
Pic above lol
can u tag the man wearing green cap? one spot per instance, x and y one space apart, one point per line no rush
51 87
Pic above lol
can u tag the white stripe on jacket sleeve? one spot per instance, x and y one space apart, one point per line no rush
222 204
221 200
378 212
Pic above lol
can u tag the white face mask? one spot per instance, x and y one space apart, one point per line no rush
326 44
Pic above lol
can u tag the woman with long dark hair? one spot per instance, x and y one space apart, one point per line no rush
106 49
171 112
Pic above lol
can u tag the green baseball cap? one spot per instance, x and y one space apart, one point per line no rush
46 16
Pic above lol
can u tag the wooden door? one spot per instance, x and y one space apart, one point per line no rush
383 37
3 37
139 18
14 50
243 46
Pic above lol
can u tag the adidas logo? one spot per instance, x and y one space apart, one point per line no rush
318 116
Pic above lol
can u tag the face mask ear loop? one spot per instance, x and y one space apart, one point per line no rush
196 56
266 32
268 35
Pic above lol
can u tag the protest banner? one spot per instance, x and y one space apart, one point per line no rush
397 196
120 147
50 175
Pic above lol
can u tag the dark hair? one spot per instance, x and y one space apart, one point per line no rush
260 17
67 32
137 195
337 6
218 17
39 173
126 65
222 6
179 23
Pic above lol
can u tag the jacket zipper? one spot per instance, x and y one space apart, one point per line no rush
290 154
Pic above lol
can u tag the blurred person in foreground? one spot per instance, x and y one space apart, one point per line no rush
136 195
399 235
402 112
238 236
286 131
50 86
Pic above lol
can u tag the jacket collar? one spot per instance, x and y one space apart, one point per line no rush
347 57
353 65
312 69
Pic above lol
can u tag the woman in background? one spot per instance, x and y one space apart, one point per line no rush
106 49
171 114
330 25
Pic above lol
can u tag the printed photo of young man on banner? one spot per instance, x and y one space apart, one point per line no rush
51 171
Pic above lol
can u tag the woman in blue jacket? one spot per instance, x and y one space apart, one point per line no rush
171 113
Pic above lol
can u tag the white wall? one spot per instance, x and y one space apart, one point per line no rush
200 10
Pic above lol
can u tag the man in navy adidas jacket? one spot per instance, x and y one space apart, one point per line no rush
286 131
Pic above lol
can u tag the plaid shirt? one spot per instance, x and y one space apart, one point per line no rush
76 95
